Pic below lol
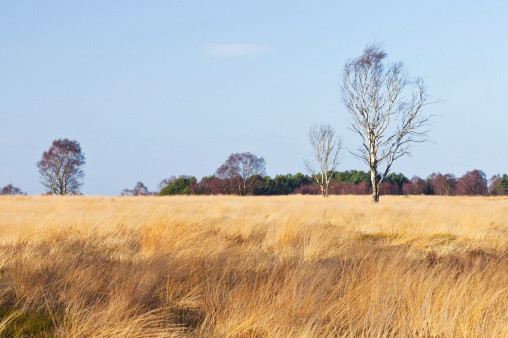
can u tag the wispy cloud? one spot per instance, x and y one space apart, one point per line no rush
234 49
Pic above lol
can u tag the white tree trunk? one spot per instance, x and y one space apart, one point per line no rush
375 185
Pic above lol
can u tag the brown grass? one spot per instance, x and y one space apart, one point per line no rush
292 266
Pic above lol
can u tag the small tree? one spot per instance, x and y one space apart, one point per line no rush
139 190
11 190
387 122
326 146
61 167
239 171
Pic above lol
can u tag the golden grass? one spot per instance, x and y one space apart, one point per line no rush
222 266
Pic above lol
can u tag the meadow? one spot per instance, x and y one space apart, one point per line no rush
279 266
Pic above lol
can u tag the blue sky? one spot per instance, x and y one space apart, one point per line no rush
152 89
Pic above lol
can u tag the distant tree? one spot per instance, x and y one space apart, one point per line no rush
208 185
398 179
443 184
326 147
362 188
389 188
139 190
493 182
61 167
308 189
171 179
11 190
265 186
259 183
286 184
473 183
164 182
279 185
238 172
416 186
499 185
299 179
502 186
180 186
386 121
352 176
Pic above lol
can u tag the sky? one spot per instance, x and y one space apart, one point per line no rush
152 89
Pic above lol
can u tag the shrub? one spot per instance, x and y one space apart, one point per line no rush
180 186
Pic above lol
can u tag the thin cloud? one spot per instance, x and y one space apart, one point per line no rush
234 49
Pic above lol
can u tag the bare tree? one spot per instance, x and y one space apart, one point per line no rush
139 190
473 183
326 146
442 184
240 170
387 117
165 182
61 167
11 190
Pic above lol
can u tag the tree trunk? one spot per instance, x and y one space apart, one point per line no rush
375 185
324 190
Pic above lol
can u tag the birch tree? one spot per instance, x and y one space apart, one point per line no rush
241 170
326 146
61 167
385 109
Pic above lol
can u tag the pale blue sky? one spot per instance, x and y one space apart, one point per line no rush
152 89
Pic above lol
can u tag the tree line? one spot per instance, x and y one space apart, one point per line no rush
350 182
244 174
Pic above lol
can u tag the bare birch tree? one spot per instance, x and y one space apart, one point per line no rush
241 170
61 167
385 112
326 146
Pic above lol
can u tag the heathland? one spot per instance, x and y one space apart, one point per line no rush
224 266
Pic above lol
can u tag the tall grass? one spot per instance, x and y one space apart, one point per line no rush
217 266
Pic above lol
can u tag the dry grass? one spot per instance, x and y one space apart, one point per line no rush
292 266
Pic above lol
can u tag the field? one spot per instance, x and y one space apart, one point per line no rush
221 266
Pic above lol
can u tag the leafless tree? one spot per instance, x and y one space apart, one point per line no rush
385 112
61 167
139 190
326 146
240 171
165 182
442 184
473 183
11 190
